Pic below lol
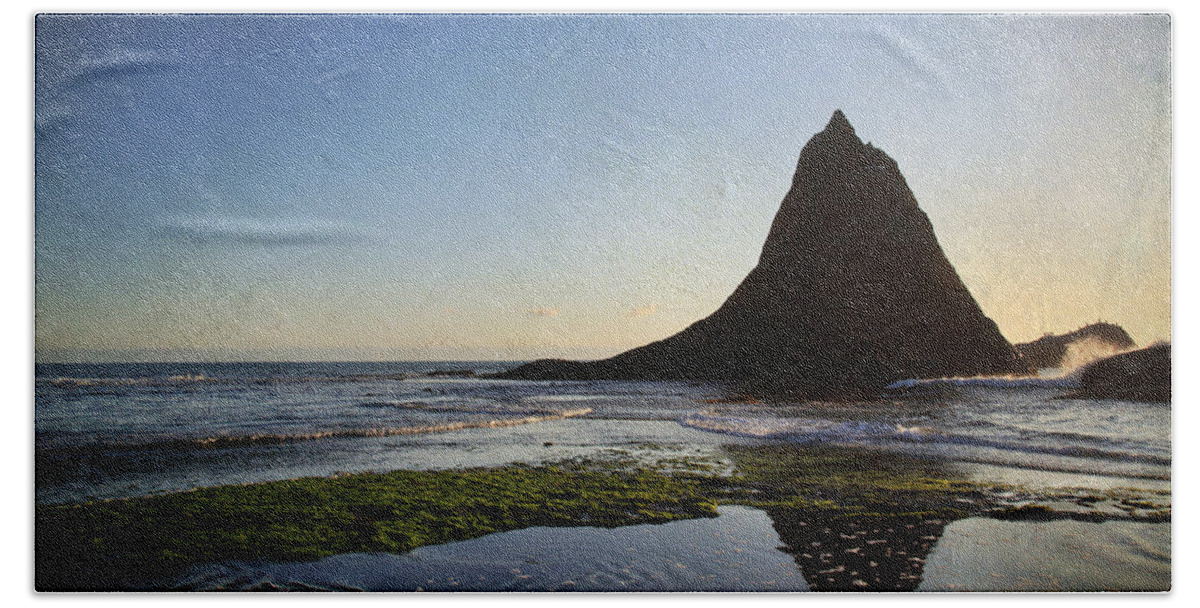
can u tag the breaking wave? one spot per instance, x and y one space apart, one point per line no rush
222 441
184 379
875 433
1061 382
1082 352
90 382
473 407
799 429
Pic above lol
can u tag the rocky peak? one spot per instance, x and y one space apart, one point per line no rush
842 191
837 146
839 126
851 292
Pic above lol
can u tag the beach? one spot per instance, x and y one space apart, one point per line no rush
673 488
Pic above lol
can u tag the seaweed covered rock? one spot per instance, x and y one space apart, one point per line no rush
851 293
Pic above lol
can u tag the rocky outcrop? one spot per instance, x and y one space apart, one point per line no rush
851 292
1050 351
1140 375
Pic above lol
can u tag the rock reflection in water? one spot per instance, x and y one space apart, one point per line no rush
855 519
870 553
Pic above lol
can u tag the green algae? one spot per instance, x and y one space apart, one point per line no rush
856 519
813 494
88 545
859 483
853 481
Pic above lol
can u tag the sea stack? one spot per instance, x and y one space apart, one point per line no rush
851 292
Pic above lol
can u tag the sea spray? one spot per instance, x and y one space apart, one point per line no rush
1083 352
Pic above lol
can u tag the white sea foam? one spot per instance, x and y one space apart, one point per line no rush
476 406
876 433
1087 350
134 421
1061 382
802 429
393 431
231 440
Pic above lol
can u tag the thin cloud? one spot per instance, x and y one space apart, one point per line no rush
114 66
120 63
241 231
642 311
544 312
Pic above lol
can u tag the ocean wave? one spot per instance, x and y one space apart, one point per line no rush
224 441
802 430
91 382
510 409
68 382
1060 382
184 379
1076 451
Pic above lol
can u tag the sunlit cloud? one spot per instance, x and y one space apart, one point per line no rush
642 311
544 312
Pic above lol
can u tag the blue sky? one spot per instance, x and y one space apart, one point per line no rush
520 186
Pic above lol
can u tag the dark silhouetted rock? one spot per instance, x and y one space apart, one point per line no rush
1140 375
451 373
1050 350
851 293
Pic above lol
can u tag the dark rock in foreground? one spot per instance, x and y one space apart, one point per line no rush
1140 375
851 292
1049 350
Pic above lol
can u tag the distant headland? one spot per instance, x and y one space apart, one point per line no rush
1099 339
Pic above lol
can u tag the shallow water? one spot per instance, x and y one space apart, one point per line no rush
132 430
137 473
978 554
736 551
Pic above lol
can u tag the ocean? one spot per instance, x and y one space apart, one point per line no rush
106 431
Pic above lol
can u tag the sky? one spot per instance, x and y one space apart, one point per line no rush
512 187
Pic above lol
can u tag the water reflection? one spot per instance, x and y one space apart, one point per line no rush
733 552
855 519
883 553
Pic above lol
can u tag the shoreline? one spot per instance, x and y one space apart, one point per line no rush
646 440
92 545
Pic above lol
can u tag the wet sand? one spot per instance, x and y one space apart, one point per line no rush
979 554
791 542
739 551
